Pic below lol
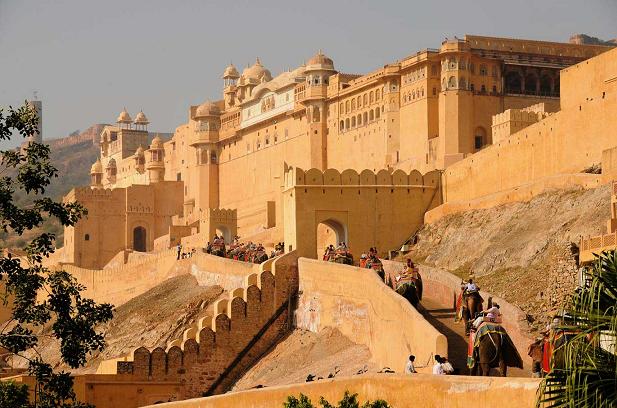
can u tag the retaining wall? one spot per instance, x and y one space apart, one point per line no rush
357 303
418 391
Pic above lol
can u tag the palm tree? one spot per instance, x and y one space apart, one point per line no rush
588 377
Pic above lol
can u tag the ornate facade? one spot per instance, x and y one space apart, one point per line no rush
423 112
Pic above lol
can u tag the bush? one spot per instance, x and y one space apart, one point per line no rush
348 401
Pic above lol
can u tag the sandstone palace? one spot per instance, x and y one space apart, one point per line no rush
277 158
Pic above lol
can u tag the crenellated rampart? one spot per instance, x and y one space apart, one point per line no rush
242 329
297 177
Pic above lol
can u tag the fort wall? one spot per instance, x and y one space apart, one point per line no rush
365 310
420 390
243 328
566 142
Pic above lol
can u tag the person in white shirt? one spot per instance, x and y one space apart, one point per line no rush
446 366
438 368
471 287
409 367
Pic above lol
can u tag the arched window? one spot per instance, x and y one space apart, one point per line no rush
87 237
139 239
370 97
340 107
353 105
479 138
377 94
404 97
371 115
364 99
545 84
359 102
347 107
413 94
422 91
316 114
342 125
434 69
347 123
353 121
377 112
364 118
452 82
531 83
462 84
359 119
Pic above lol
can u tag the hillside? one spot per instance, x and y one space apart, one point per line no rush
523 252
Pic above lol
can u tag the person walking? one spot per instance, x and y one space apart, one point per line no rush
409 367
179 249
438 368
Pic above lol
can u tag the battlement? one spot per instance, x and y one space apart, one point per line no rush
87 193
213 354
296 177
220 215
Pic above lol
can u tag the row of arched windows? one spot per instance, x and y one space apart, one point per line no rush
414 75
415 94
453 63
462 84
360 119
358 102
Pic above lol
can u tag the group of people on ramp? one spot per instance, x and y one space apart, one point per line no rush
246 252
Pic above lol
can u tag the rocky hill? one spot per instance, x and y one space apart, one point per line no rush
523 252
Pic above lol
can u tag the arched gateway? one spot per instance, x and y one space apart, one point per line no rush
366 210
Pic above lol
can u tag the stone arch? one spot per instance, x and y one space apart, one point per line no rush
139 239
330 231
452 82
546 84
350 177
531 83
224 231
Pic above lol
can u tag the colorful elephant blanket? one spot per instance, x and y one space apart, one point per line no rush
513 358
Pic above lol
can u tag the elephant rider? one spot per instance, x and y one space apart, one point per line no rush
363 260
329 253
375 264
493 315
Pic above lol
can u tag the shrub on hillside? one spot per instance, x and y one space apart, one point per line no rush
348 401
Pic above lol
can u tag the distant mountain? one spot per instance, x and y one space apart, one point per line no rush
73 156
589 40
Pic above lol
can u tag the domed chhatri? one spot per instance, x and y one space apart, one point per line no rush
157 143
124 117
97 167
257 72
320 62
207 109
141 119
231 72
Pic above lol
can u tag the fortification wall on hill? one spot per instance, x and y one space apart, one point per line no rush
420 390
566 142
243 329
445 287
364 309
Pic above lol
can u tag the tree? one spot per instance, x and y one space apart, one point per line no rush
40 297
348 401
588 377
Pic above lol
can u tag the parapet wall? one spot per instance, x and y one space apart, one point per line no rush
332 177
419 390
243 329
363 308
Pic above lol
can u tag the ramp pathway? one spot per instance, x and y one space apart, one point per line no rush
442 318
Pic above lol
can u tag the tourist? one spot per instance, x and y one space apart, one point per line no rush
409 367
438 368
493 315
471 287
179 249
446 366
363 260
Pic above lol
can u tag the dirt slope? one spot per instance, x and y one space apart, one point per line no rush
521 251
303 353
151 319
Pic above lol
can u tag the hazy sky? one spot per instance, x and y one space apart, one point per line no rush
88 59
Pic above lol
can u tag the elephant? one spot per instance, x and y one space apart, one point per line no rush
409 291
495 350
471 304
218 251
345 259
259 257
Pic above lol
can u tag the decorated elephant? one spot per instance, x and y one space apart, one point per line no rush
342 257
259 257
469 304
491 347
409 291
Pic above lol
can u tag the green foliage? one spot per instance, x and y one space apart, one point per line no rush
348 401
71 317
588 377
13 395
